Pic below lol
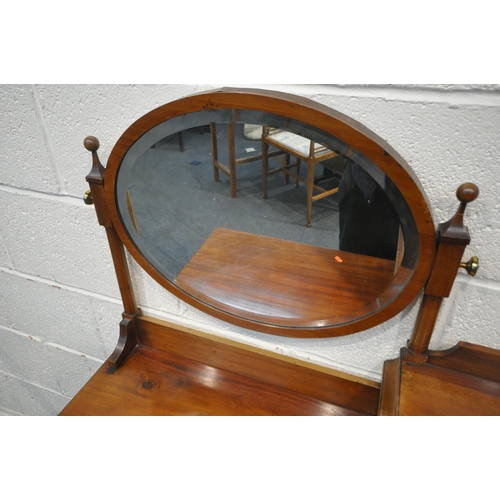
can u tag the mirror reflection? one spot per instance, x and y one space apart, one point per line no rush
266 218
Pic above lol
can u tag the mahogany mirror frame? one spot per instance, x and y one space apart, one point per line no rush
312 114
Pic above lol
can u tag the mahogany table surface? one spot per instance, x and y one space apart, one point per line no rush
287 283
154 383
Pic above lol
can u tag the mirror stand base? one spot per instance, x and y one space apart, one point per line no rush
127 341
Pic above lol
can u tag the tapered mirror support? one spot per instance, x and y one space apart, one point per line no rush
129 334
452 238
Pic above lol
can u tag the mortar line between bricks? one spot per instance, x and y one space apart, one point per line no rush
478 282
48 142
72 351
475 281
35 385
34 338
10 412
60 198
62 286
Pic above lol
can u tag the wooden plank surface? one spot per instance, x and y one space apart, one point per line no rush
428 390
390 389
287 283
152 382
271 368
472 359
463 380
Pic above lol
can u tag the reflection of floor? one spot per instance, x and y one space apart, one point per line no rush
177 204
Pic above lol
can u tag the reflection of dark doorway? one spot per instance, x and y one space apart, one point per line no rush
369 225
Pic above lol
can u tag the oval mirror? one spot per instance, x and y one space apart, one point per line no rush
271 212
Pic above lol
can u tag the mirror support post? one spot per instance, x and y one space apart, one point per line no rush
452 238
129 333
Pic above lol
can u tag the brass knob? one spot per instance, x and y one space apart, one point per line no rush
471 266
87 198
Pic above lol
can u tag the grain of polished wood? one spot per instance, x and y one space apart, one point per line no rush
431 390
128 337
453 237
332 386
153 382
287 283
464 380
390 389
472 359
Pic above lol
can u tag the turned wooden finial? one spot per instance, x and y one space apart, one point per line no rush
97 173
454 230
91 143
466 193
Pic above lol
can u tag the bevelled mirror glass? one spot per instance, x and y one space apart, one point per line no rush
271 212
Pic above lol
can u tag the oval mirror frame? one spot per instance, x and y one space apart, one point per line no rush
312 114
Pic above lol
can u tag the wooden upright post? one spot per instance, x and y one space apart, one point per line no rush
452 238
129 333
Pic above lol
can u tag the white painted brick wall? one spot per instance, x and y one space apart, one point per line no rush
57 314
54 237
24 141
60 302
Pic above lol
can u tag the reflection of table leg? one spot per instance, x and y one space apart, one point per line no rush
215 155
231 172
311 163
232 159
265 163
285 168
181 142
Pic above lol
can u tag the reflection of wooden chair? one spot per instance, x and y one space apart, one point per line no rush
301 149
234 162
